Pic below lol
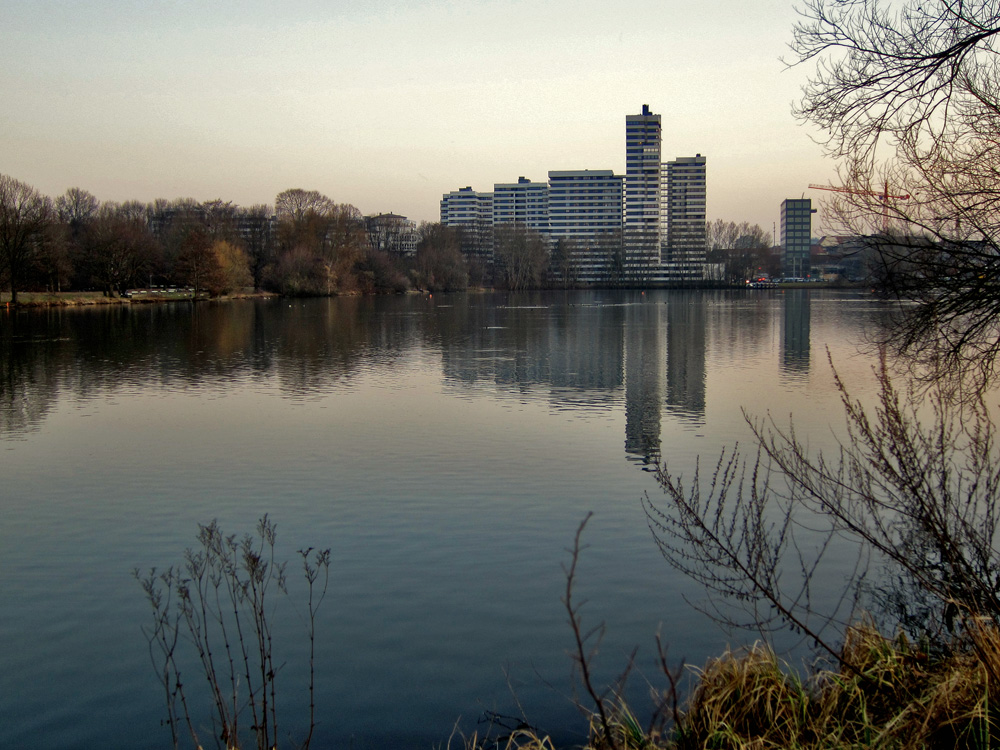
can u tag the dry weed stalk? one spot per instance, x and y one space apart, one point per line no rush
220 603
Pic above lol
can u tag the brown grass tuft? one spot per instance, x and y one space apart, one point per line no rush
885 694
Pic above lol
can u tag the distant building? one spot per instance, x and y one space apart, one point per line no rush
523 202
642 190
796 236
585 214
392 233
683 202
472 214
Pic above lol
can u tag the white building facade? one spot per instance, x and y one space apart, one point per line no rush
392 233
524 202
472 213
684 218
642 191
585 214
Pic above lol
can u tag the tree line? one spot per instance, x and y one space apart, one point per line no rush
305 244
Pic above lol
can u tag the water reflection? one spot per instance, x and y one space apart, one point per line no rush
576 350
686 321
446 447
644 378
795 331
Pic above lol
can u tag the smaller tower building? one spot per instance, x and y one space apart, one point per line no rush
796 236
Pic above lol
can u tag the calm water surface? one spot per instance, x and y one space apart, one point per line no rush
444 448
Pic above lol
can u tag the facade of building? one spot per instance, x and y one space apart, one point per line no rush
392 233
796 234
472 213
585 215
523 202
642 190
683 226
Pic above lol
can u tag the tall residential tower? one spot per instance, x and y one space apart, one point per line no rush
796 234
684 194
642 192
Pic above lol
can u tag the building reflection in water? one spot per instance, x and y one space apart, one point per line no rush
686 355
585 351
795 330
644 378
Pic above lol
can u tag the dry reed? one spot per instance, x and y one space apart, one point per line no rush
885 693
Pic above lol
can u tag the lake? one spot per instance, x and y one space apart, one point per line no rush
444 448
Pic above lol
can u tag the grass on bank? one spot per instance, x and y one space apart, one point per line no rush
76 299
59 299
892 696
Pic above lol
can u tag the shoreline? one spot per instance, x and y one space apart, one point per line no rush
137 297
146 297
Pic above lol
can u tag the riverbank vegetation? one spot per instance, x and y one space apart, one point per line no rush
306 244
868 691
893 697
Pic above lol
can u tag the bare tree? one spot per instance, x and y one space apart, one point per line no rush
234 266
198 264
521 256
76 207
907 96
563 269
343 245
257 232
171 223
917 500
439 264
116 249
220 220
297 204
24 216
612 250
742 248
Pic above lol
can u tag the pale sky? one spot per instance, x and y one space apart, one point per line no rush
387 104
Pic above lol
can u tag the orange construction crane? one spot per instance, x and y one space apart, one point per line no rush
885 195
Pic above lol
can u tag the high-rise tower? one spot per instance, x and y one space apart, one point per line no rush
642 191
683 207
796 232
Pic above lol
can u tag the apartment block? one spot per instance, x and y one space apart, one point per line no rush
523 202
646 226
796 236
472 213
585 213
683 224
